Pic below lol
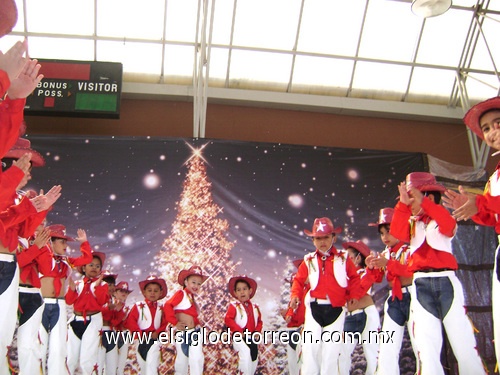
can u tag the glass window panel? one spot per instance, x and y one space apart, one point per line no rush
321 72
218 65
128 18
481 58
494 5
444 38
59 48
60 17
381 77
480 87
391 31
181 20
263 67
431 83
266 24
179 61
464 3
223 17
331 27
135 57
19 26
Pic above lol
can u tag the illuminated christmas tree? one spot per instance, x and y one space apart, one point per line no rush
199 237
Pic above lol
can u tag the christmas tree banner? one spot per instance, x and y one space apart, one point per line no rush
158 205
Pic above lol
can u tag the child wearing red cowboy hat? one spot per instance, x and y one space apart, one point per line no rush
437 298
362 316
122 291
484 120
54 267
181 311
147 317
393 261
243 315
294 322
87 296
333 279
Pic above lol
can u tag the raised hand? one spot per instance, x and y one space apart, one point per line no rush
26 82
82 236
24 162
13 61
42 238
43 202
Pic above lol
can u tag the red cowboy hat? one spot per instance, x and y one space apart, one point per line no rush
155 280
322 226
107 274
21 147
232 283
471 118
59 231
384 217
8 16
123 285
423 181
194 270
297 262
360 246
95 254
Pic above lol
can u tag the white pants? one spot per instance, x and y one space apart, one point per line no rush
495 304
122 358
245 364
320 357
54 341
28 343
368 340
428 331
9 299
108 358
150 365
388 356
85 351
293 355
194 362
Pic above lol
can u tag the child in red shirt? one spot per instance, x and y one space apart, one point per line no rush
244 316
121 294
182 312
84 334
147 317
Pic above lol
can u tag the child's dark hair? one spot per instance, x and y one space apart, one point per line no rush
152 282
387 227
109 280
362 264
436 194
241 281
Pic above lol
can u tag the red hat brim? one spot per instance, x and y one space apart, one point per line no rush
359 246
233 280
184 274
37 159
297 262
95 254
155 280
315 234
471 118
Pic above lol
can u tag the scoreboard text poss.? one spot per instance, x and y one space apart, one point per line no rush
77 89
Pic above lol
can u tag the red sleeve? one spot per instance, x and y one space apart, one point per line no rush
4 82
299 280
230 321
71 296
375 275
9 181
18 213
117 318
29 225
11 119
447 224
85 258
356 289
101 294
28 255
258 327
487 206
132 318
398 269
168 308
400 226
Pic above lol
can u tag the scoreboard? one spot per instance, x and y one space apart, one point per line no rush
77 89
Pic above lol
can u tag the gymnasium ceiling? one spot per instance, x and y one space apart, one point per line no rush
349 57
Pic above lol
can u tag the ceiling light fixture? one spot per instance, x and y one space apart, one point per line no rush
430 8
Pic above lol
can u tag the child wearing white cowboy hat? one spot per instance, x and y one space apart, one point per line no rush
181 311
87 296
122 291
393 261
484 120
243 315
437 298
54 267
147 317
362 316
333 279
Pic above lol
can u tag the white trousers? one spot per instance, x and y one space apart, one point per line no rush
389 350
428 328
194 362
108 359
293 355
28 343
495 304
368 340
245 364
150 365
320 352
85 351
54 343
9 299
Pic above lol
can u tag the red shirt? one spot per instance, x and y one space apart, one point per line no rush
28 264
230 318
85 301
111 315
170 307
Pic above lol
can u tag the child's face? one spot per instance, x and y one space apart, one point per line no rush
387 238
121 295
242 291
59 246
111 287
490 126
354 256
193 283
93 269
324 243
152 292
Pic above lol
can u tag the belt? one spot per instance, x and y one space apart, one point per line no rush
4 257
29 290
53 300
80 318
320 301
354 312
427 270
406 289
26 286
